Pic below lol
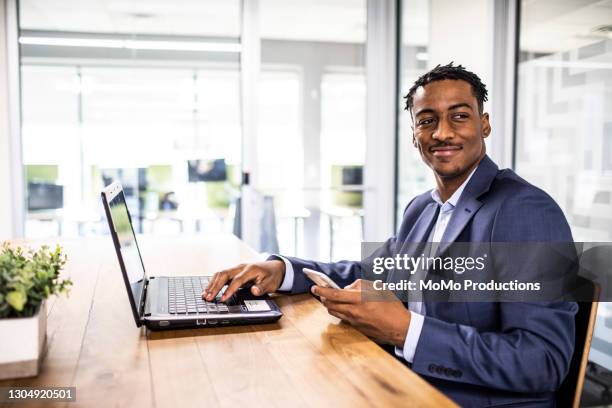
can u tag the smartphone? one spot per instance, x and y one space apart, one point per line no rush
320 279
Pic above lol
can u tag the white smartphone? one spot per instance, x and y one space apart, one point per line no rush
320 279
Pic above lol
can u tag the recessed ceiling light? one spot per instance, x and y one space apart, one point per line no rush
133 44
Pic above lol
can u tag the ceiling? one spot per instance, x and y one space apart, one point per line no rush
547 26
314 20
550 26
185 17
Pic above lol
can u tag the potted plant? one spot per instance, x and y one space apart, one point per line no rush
27 278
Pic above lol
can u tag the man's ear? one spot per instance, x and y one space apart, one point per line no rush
414 142
486 126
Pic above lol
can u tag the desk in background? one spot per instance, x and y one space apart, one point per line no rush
308 358
182 217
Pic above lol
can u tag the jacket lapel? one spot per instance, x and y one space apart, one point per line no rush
463 213
469 204
422 227
417 238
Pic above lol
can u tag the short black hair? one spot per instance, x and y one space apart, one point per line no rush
449 71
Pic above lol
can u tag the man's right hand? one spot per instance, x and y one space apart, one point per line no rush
266 277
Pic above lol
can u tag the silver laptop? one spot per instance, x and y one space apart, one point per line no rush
168 302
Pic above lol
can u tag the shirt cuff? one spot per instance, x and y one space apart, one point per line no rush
412 337
288 279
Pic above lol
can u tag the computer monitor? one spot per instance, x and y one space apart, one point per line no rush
352 175
45 196
207 170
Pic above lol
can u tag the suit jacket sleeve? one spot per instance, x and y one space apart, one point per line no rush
532 349
342 272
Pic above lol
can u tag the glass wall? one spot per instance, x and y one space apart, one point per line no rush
343 140
149 94
564 121
429 37
145 94
312 141
414 177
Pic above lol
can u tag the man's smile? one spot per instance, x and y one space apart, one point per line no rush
445 151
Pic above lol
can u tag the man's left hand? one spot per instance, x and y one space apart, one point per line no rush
379 315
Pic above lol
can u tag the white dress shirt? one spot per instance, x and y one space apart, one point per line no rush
417 309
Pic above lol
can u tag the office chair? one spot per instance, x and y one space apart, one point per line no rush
570 391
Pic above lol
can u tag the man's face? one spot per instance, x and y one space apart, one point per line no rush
447 128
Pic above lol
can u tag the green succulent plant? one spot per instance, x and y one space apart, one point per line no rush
29 277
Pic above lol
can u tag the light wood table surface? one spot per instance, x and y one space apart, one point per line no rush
307 358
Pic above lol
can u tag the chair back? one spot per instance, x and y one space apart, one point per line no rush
570 391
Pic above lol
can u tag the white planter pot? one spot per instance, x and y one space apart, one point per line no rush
22 341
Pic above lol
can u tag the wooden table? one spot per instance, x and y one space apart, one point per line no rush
308 358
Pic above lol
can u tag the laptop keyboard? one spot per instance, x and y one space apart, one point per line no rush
185 296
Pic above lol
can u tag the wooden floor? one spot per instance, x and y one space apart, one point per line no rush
308 358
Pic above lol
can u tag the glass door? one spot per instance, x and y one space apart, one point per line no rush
564 122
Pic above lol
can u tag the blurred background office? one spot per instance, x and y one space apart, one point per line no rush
282 120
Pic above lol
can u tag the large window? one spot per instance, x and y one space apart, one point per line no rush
564 121
146 95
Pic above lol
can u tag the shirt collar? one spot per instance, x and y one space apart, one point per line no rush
450 204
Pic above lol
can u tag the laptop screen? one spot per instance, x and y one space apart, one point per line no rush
134 269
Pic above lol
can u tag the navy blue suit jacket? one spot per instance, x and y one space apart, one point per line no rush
484 353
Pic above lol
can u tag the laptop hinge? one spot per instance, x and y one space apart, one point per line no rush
141 308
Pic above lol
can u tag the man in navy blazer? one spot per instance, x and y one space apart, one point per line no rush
477 353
